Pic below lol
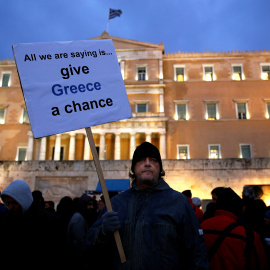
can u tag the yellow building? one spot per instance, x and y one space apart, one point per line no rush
190 105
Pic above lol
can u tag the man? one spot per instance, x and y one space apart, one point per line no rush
26 230
229 245
157 226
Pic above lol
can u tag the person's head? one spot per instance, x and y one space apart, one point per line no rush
17 197
187 193
197 201
228 200
215 192
146 168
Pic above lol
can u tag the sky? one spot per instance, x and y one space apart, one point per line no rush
183 25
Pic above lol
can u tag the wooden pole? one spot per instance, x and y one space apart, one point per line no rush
104 190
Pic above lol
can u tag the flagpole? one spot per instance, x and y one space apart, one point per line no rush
108 22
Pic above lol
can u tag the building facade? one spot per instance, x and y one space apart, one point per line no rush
208 105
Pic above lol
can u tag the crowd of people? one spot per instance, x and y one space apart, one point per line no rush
159 227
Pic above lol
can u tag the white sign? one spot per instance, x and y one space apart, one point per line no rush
71 85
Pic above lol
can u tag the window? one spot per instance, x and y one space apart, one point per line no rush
208 73
182 151
2 115
21 153
181 111
141 107
245 151
24 116
179 73
214 151
5 79
267 110
141 73
211 111
265 71
237 73
242 110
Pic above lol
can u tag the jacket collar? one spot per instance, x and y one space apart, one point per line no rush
161 185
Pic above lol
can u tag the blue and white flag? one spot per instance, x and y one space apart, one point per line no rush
114 13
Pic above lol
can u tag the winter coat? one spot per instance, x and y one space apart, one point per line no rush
159 230
230 255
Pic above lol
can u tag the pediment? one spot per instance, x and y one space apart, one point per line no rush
129 44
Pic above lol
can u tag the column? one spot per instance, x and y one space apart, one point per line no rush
42 150
161 103
132 144
162 145
102 146
30 146
148 137
160 70
57 147
86 154
71 154
117 146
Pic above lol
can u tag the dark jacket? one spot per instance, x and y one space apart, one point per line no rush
159 230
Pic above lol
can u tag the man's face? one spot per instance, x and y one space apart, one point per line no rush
14 207
146 172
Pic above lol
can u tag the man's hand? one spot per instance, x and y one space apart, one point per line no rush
110 222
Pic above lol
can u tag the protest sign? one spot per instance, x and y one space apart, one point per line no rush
73 85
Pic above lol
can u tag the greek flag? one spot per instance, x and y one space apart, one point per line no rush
114 13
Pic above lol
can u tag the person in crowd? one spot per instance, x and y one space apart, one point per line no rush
254 209
197 201
198 212
83 218
230 245
157 226
101 202
211 206
26 230
49 206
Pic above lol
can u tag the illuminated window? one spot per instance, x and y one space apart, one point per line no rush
141 107
268 110
24 116
5 79
245 151
214 151
2 115
181 111
211 113
179 73
21 153
122 68
265 72
242 110
208 73
182 151
141 73
237 73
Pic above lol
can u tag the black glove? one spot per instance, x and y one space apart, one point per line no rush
110 222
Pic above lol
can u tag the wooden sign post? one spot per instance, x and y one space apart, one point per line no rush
104 190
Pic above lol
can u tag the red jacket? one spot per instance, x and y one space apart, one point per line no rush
231 253
197 210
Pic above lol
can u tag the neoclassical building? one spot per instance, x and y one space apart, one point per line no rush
195 105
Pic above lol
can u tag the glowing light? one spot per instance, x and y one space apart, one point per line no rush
265 76
180 78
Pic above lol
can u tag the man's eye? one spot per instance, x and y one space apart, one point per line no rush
153 160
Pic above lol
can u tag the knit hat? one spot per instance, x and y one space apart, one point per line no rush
20 191
144 150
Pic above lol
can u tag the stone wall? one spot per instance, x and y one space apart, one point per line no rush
71 178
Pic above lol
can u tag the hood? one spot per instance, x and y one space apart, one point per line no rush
20 191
